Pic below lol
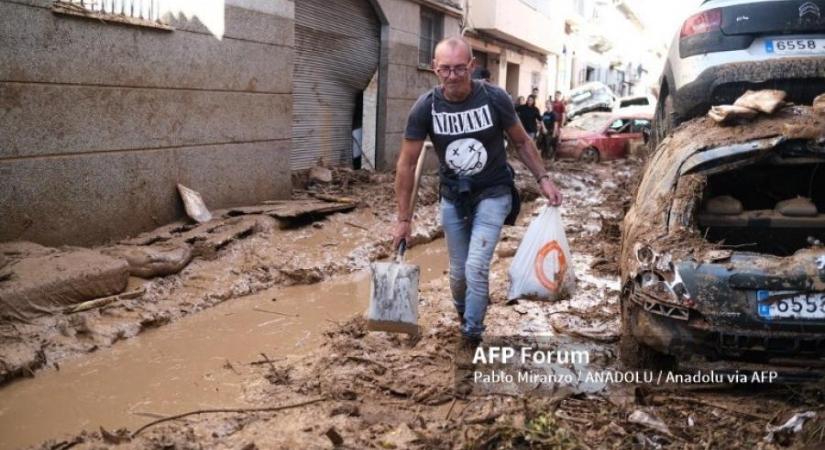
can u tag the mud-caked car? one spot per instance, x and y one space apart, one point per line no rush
723 249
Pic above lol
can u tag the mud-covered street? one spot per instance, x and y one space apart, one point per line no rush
266 338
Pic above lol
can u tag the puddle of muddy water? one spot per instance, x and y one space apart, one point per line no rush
200 361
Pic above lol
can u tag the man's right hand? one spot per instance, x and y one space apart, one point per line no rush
403 230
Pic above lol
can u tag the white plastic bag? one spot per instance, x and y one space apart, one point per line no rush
542 268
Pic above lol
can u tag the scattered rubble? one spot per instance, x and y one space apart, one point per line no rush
47 283
150 261
766 101
748 106
194 205
819 104
394 392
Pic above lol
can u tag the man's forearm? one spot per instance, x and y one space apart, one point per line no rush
403 191
405 177
529 155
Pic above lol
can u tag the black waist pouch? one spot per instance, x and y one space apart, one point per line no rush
515 209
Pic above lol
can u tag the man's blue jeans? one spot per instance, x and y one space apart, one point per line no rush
470 243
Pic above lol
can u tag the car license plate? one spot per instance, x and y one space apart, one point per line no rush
795 46
799 306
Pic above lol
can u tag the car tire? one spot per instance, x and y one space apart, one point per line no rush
664 120
590 155
634 354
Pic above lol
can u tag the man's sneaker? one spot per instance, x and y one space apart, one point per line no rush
464 367
465 351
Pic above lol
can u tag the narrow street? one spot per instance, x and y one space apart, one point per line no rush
277 224
373 389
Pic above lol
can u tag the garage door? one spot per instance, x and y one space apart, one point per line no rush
337 46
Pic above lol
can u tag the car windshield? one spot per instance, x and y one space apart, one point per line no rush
590 122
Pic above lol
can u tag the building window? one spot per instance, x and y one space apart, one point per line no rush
432 31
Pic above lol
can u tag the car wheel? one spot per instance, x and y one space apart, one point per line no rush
590 155
664 120
633 353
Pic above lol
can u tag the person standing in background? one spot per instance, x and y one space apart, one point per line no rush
530 116
560 111
548 129
481 73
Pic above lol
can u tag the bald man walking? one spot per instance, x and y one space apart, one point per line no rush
466 121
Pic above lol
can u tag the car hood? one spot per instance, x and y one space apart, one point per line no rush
701 146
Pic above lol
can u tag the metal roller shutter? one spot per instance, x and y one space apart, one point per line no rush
337 47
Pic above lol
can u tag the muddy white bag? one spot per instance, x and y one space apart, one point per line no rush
542 268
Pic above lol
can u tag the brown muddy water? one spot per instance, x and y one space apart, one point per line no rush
200 361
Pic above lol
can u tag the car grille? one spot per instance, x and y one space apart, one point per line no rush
779 345
654 306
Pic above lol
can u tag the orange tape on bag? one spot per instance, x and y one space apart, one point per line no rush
552 286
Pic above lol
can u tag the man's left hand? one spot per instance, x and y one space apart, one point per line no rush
549 190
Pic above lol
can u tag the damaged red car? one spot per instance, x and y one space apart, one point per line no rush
723 250
603 136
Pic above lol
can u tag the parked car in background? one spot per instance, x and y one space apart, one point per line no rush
723 249
602 136
645 103
729 46
589 97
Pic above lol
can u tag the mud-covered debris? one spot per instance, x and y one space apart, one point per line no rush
153 260
120 436
299 212
718 255
791 426
802 131
723 205
766 100
320 174
45 284
100 302
615 428
400 437
731 113
573 326
507 249
334 437
797 207
649 421
345 409
194 205
819 104
747 106
5 272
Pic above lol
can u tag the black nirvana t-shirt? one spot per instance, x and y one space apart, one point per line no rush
468 136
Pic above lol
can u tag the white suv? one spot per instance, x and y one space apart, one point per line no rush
729 46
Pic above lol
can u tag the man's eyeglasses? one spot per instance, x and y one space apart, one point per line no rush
444 71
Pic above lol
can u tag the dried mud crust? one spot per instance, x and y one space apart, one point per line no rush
239 253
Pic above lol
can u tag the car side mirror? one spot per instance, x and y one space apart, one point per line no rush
611 131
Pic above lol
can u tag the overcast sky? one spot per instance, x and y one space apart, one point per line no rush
664 17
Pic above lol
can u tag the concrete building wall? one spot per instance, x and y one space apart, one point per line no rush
101 120
406 79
